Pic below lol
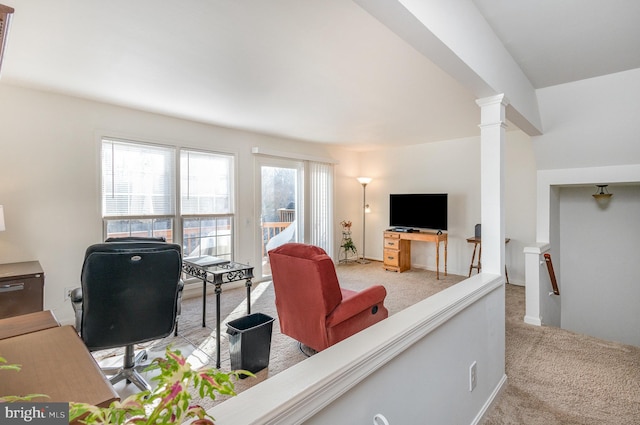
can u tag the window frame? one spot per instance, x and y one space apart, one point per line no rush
177 219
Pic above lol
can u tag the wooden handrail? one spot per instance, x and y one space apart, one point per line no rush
552 275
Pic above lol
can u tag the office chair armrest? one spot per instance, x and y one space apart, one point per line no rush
76 295
179 309
76 302
356 302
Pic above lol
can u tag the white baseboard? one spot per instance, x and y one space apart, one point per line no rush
492 398
533 320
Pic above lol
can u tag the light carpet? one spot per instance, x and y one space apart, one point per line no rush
557 377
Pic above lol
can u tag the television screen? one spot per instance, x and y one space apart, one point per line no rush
423 211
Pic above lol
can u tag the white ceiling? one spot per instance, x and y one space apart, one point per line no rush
559 41
323 71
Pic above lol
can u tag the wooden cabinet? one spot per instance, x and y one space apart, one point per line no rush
21 288
397 252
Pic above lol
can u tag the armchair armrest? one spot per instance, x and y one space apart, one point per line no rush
356 302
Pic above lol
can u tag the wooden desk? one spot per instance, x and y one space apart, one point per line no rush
54 362
397 249
27 323
477 243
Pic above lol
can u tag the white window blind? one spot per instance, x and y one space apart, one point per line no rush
321 205
137 179
206 183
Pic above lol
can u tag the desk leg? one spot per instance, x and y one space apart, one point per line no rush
204 301
248 285
446 242
218 292
437 260
473 258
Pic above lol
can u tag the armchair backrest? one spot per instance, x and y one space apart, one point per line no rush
306 288
129 292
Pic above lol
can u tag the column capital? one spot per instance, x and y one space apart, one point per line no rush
493 100
493 110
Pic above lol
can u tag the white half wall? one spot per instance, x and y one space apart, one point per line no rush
412 367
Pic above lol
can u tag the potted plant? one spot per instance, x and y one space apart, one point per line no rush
347 243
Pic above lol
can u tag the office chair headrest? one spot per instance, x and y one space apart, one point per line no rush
137 239
126 247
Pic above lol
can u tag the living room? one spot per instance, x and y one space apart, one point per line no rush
50 176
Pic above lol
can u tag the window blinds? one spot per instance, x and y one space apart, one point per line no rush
137 179
321 205
206 183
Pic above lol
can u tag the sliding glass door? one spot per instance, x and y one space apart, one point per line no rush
295 200
281 205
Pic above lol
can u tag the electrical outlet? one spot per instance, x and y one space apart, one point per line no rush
67 292
473 375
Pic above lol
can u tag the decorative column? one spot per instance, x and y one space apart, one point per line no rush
492 159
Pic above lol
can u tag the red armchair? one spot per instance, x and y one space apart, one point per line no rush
312 307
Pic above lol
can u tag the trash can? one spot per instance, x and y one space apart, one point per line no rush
250 342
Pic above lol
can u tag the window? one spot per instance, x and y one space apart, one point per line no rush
206 187
138 189
139 195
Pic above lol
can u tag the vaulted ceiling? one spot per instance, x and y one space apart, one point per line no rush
324 71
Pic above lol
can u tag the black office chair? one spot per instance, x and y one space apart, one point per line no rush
130 294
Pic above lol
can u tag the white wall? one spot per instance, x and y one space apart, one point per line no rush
49 177
591 137
453 167
590 123
599 285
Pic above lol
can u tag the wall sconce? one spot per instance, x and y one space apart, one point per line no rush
364 181
602 195
5 19
2 228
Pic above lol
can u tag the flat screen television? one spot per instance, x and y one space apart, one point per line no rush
418 211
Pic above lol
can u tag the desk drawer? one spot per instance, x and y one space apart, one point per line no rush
21 296
391 257
391 243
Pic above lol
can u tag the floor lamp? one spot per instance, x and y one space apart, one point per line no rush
364 181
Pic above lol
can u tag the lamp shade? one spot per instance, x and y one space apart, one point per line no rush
5 18
364 180
601 193
2 228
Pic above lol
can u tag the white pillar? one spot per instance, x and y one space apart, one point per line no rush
492 152
533 268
